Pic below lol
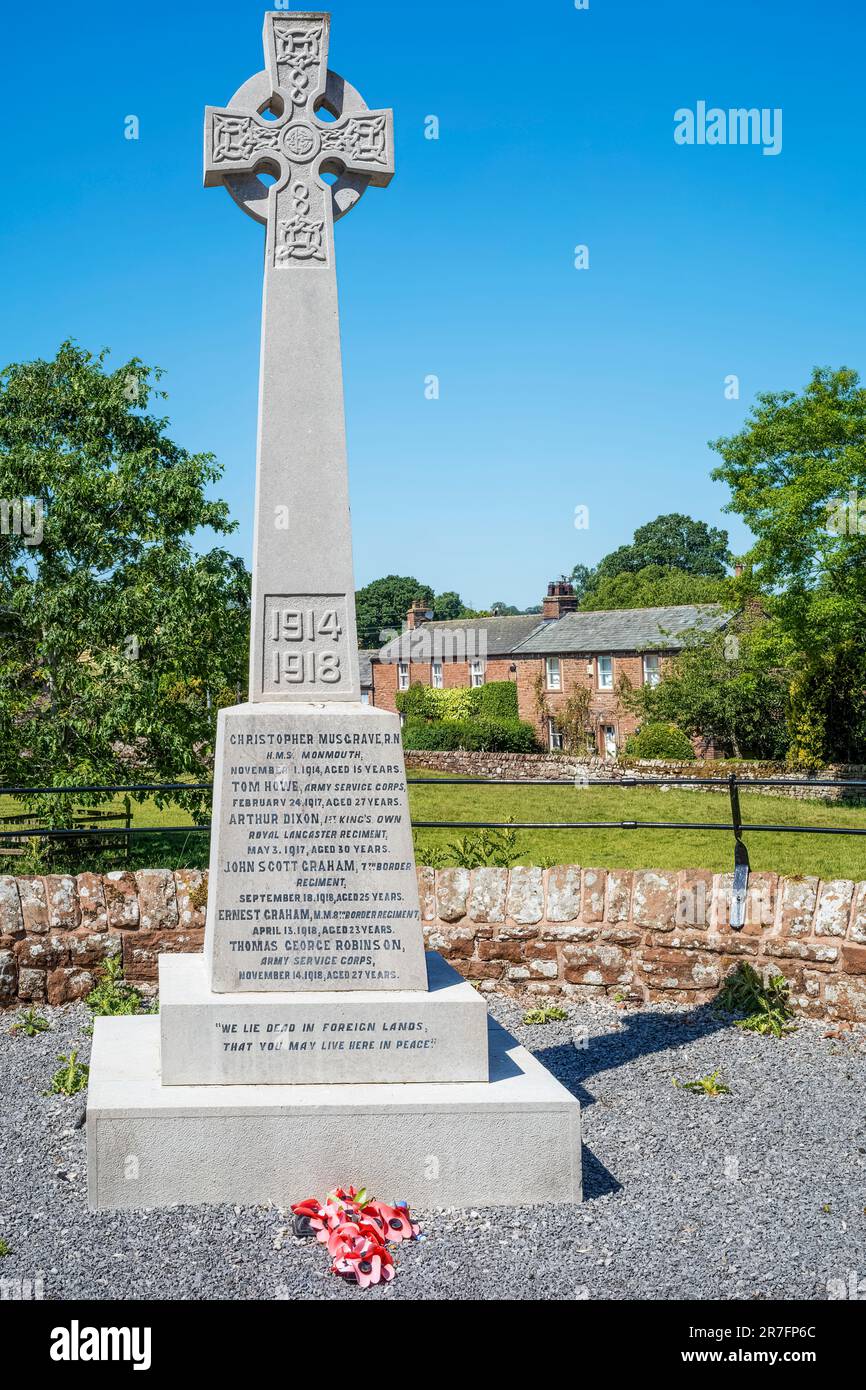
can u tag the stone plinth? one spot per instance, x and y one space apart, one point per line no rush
514 1140
312 1038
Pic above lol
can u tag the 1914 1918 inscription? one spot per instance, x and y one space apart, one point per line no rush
305 644
312 882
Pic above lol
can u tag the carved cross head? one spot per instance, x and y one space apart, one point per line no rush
296 147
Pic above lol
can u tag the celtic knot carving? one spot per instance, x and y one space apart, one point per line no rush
298 237
298 52
364 137
237 138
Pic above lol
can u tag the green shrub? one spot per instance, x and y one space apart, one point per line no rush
417 702
461 702
660 741
499 700
482 735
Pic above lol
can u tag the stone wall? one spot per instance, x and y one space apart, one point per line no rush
563 767
642 935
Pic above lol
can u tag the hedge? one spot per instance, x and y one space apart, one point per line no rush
482 735
660 741
498 700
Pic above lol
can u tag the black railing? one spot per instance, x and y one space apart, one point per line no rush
731 784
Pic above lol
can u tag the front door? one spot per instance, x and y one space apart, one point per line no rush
609 740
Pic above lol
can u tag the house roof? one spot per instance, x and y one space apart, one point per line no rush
365 665
624 629
492 637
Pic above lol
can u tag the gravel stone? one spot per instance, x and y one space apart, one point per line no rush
755 1195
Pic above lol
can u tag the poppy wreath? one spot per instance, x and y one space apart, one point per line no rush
357 1231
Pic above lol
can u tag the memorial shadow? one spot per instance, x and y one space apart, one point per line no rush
639 1035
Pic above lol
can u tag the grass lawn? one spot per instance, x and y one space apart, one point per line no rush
829 856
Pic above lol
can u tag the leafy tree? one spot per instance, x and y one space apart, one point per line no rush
382 606
655 586
797 474
582 578
673 541
730 687
449 606
120 643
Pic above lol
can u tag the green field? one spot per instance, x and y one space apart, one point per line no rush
830 856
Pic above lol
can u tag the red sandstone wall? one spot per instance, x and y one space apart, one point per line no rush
644 935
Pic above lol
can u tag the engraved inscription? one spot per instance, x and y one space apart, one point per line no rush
305 644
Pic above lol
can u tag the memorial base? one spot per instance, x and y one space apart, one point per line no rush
514 1140
438 1034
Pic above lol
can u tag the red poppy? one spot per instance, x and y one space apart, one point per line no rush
396 1222
358 1257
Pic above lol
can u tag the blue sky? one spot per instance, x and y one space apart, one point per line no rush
558 387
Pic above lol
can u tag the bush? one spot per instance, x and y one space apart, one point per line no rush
422 702
498 700
416 702
483 735
660 741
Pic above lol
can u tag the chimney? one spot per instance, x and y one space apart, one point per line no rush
419 613
559 599
738 570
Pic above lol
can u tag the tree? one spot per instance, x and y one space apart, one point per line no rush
120 643
797 474
673 541
656 586
582 579
730 687
382 606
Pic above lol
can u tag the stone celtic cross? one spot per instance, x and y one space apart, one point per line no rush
303 643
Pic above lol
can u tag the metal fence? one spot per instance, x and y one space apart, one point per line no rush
731 784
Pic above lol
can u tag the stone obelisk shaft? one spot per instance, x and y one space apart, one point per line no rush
304 643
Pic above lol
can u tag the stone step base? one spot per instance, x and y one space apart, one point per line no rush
514 1140
437 1035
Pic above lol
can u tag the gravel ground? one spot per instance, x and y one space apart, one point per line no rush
759 1194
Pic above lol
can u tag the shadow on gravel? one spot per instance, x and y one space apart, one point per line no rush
598 1181
641 1035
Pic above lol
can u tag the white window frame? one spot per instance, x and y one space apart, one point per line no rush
604 729
604 684
402 675
652 676
553 673
437 675
477 672
365 697
554 735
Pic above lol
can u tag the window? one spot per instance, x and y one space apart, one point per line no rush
365 697
436 675
402 675
554 736
609 737
605 673
651 672
476 672
553 675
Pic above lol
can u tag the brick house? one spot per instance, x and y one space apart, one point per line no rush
551 653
